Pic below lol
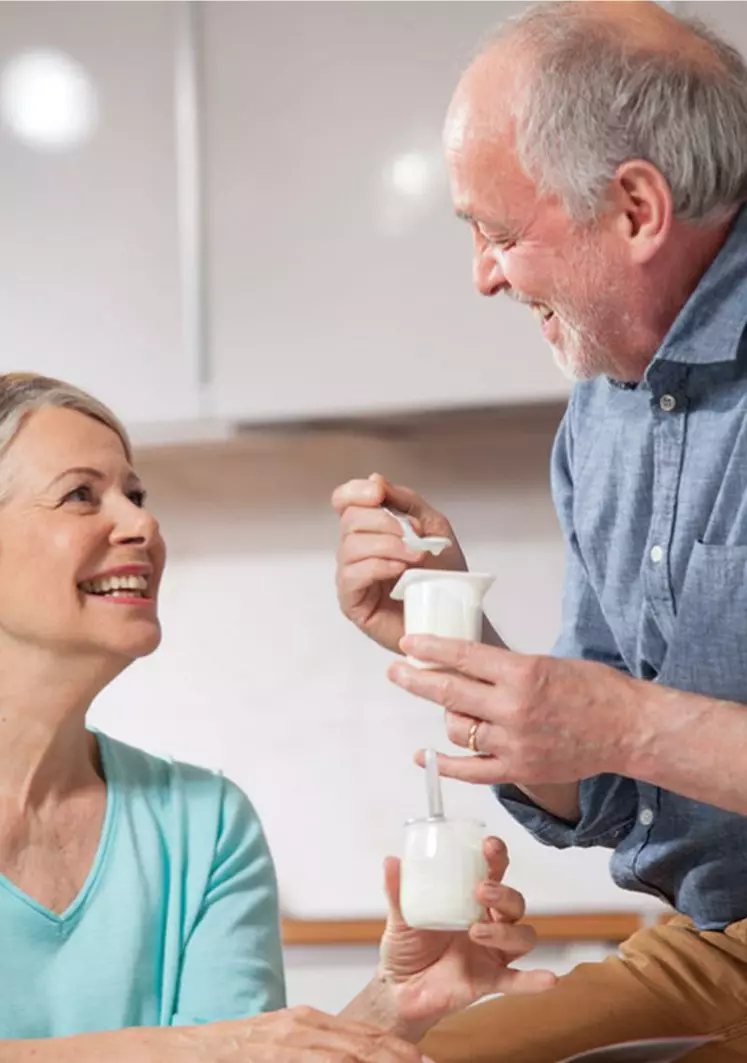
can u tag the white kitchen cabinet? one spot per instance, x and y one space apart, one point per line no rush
90 282
339 279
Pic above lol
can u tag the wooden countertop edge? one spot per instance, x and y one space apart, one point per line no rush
612 927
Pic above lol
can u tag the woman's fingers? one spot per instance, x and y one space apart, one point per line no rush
511 939
513 981
496 857
506 904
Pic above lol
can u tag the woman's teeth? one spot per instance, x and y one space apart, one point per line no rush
117 586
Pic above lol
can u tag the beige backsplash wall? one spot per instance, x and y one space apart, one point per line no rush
269 493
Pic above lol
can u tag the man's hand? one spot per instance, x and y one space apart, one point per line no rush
539 719
371 555
434 973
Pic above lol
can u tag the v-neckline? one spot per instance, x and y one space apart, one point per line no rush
91 880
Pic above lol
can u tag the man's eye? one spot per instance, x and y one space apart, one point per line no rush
83 493
137 497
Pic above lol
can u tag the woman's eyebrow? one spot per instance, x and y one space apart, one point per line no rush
79 470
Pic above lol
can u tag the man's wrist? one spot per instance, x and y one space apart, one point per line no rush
647 716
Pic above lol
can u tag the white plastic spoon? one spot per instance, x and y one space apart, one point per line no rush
433 544
433 786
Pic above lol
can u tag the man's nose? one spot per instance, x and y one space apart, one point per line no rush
487 271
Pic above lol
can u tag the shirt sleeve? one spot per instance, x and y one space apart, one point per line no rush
608 802
232 965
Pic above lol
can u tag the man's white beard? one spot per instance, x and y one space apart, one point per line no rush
570 361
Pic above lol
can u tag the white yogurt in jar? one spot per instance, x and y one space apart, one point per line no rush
442 864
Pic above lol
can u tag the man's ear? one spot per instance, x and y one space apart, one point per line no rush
642 200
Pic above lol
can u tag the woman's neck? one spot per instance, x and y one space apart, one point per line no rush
46 751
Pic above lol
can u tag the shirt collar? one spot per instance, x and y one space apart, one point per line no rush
710 325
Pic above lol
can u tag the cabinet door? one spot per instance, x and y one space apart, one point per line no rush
340 280
90 286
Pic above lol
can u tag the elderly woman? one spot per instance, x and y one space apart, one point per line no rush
137 894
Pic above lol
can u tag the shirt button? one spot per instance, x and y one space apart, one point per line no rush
646 818
656 554
667 403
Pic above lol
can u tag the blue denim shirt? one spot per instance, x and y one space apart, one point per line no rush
650 485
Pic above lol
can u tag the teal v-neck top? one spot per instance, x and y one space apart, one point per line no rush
176 923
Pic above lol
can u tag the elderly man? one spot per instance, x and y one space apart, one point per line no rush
598 153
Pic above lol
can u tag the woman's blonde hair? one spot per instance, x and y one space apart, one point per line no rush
23 393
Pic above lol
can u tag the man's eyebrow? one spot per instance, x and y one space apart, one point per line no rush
502 230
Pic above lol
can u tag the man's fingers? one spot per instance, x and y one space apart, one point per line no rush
424 518
375 491
456 693
461 729
367 493
407 501
362 575
362 545
473 659
358 519
482 770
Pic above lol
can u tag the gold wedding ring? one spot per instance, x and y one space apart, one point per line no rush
471 741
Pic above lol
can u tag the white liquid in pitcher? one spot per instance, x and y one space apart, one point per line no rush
442 864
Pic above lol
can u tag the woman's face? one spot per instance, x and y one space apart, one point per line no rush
81 558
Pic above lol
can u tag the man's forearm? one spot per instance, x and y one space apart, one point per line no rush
691 745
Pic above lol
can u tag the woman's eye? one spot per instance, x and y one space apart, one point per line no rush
137 497
79 494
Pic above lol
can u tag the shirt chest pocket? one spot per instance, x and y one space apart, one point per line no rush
708 651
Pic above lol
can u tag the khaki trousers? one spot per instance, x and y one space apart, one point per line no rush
670 980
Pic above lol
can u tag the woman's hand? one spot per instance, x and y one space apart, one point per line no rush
433 973
293 1035
305 1035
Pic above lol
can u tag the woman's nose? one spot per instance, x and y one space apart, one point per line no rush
135 525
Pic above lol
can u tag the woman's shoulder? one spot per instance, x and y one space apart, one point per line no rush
199 795
193 821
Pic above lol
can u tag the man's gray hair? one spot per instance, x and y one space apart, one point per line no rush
594 99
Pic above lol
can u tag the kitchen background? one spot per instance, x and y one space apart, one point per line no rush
230 221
